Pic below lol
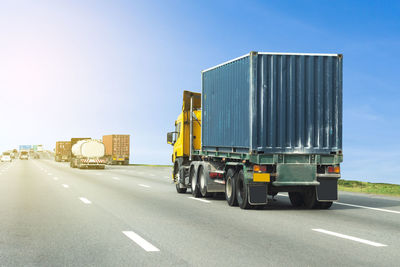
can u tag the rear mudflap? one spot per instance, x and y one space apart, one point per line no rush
327 189
258 193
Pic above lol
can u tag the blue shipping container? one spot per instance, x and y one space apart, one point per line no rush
273 103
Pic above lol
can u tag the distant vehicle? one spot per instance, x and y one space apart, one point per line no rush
24 155
63 151
264 123
39 148
88 154
117 148
12 155
6 157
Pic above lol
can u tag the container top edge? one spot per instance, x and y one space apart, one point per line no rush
226 62
273 53
299 54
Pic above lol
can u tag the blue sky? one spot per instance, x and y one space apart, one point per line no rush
88 68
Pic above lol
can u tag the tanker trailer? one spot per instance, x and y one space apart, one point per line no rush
88 154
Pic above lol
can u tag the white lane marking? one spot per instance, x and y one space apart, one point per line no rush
55 178
85 200
152 174
350 238
49 173
143 185
99 174
199 199
115 178
364 207
65 185
140 241
168 177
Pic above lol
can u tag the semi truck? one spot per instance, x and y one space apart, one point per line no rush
39 148
63 151
117 148
88 154
263 123
24 154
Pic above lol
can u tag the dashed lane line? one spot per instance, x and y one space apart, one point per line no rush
85 200
199 199
140 241
375 244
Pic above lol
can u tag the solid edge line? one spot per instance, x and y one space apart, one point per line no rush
140 241
359 206
199 199
350 238
365 207
143 185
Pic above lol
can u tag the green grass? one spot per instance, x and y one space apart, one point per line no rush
149 165
369 188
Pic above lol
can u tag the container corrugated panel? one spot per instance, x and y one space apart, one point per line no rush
117 144
63 148
273 103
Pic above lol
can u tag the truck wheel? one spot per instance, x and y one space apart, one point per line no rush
203 183
230 188
242 192
324 205
296 198
310 198
178 187
194 185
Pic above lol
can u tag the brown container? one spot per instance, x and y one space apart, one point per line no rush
117 148
63 150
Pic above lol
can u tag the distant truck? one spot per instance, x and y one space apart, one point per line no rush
24 155
39 148
264 123
63 151
117 148
88 154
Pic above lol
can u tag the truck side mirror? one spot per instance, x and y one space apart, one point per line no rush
170 138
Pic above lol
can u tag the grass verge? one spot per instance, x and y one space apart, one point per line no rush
369 188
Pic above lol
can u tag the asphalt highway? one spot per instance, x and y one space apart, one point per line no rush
53 215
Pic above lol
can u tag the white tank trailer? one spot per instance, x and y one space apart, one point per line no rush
88 154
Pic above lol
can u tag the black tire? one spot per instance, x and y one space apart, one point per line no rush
203 183
230 187
195 185
242 192
296 198
325 205
310 198
179 190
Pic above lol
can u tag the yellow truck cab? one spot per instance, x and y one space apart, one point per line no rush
187 134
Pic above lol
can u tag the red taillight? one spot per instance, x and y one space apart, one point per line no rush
214 175
260 168
331 169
